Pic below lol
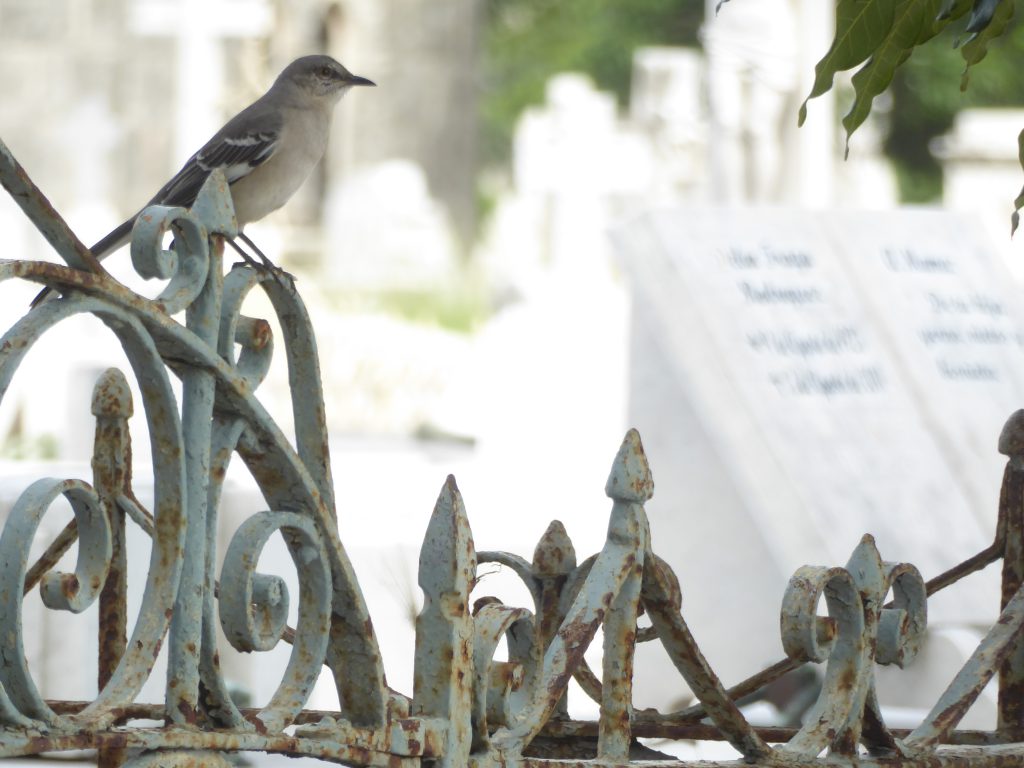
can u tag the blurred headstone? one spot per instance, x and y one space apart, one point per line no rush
385 230
429 118
200 30
667 104
752 79
801 380
575 167
979 159
571 156
981 173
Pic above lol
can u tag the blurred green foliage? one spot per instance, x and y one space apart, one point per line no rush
926 97
17 447
460 308
528 41
462 304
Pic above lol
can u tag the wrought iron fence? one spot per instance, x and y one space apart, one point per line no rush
466 708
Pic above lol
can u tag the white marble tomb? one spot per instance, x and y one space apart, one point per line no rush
801 379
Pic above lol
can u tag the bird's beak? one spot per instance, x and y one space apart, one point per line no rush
357 80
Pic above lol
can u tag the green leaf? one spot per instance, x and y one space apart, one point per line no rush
976 47
860 26
913 22
883 33
1019 202
953 9
981 17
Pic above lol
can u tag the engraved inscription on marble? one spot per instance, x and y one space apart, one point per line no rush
813 361
851 370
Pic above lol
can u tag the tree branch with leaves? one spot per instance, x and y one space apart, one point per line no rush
878 36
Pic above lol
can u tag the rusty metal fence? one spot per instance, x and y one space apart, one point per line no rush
466 708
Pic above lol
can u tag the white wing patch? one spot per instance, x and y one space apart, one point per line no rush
237 171
245 141
237 155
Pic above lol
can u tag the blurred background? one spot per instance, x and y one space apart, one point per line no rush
474 253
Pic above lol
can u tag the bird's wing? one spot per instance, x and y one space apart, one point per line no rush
248 140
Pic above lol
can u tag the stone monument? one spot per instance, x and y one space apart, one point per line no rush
809 378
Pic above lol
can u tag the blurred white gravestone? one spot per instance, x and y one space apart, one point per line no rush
384 229
802 379
981 173
953 322
200 29
752 77
835 375
667 103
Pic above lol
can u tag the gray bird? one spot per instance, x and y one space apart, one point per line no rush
266 151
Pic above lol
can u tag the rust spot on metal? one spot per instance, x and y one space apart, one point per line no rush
187 712
38 744
258 724
261 334
481 602
848 679
69 584
116 740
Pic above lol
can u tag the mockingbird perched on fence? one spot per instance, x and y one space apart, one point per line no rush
266 151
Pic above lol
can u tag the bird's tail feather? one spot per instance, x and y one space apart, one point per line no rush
106 246
114 239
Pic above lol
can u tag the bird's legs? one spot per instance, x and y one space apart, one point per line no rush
245 256
264 264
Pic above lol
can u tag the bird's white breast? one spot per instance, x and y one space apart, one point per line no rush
270 185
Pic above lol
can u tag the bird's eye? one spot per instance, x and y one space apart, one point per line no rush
325 71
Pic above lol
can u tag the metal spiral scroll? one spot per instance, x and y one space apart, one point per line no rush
192 445
254 607
72 592
858 632
91 514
